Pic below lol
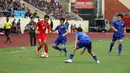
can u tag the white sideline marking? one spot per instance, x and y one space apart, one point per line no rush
17 51
22 48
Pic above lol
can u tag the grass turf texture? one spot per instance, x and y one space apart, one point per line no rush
21 60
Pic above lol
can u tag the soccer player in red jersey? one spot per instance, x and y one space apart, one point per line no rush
42 36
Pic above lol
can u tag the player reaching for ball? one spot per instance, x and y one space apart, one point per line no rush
82 40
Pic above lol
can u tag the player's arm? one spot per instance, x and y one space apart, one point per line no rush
54 29
76 41
49 28
10 24
37 28
124 28
113 28
82 51
67 31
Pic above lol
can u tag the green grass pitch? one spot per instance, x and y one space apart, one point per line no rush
24 60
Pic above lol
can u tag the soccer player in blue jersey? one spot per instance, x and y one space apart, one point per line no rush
82 40
62 31
119 29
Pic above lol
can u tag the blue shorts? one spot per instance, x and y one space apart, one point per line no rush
87 44
60 40
117 37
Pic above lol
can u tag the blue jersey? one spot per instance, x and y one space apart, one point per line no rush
82 36
61 29
119 25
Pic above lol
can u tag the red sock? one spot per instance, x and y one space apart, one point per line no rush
39 47
46 48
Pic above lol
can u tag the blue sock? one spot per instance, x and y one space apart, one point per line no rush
119 48
71 56
56 47
111 45
95 58
65 50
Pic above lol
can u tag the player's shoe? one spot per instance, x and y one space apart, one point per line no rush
119 54
44 55
68 61
109 52
98 61
37 53
66 53
61 52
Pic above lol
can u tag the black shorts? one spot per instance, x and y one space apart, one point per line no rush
7 32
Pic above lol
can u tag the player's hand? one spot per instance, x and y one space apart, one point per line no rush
37 32
63 34
81 52
116 30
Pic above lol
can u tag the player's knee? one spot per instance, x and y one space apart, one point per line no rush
89 51
45 42
63 46
120 41
113 42
53 46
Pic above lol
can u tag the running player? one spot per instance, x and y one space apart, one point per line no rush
41 35
119 29
62 31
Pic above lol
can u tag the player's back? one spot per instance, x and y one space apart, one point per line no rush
82 36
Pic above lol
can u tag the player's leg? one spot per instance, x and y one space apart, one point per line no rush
79 45
31 37
46 46
40 41
9 36
34 39
39 47
7 33
120 46
6 36
55 45
63 47
114 38
89 47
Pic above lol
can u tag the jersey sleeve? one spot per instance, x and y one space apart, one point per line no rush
113 24
66 28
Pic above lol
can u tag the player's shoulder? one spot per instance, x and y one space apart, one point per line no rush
123 21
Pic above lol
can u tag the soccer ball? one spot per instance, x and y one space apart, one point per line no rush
43 55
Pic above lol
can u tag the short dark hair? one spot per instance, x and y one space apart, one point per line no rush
121 15
7 19
62 19
79 29
46 16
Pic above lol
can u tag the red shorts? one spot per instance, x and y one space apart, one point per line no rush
41 37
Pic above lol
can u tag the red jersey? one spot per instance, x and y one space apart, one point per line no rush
42 26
